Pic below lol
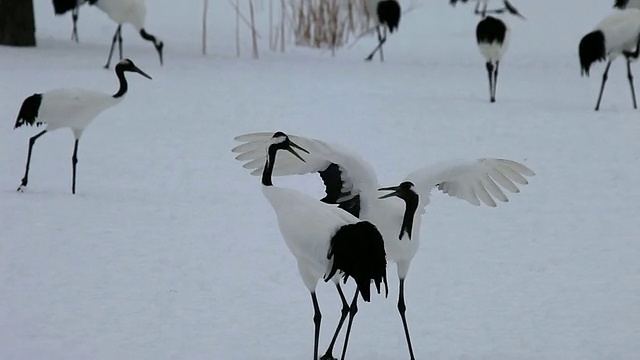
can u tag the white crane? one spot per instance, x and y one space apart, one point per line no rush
72 108
352 183
127 12
492 35
617 34
386 14
625 4
61 7
334 240
506 7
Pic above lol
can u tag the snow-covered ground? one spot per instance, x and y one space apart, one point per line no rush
169 250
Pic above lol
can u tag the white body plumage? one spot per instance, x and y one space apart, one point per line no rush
621 30
125 11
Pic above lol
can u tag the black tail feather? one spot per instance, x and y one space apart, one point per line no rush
62 6
592 49
358 251
29 111
389 13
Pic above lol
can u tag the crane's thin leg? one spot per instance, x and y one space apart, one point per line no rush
630 77
402 308
74 162
32 141
490 72
317 317
495 80
353 309
381 41
380 37
113 44
120 40
604 80
328 355
74 16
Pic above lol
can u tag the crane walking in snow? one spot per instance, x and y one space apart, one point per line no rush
333 241
352 184
386 14
617 34
492 35
72 108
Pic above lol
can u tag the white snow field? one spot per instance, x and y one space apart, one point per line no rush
169 250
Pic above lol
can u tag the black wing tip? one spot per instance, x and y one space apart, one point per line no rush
592 48
29 111
620 4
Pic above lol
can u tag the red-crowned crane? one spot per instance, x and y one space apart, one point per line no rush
352 184
492 35
72 108
386 14
61 7
333 241
617 34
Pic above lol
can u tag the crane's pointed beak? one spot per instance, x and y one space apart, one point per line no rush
293 145
142 73
512 9
394 192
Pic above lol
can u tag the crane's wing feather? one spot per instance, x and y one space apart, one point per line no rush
476 181
344 174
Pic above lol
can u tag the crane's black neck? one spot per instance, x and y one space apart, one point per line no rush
124 86
268 167
411 205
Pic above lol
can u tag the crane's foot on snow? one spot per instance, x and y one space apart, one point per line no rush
21 188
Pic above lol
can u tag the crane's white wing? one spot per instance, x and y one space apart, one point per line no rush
344 173
476 181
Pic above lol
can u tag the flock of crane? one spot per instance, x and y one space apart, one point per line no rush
356 228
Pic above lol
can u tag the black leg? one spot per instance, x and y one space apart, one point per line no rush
402 308
328 355
353 309
317 317
120 40
490 73
74 16
630 77
495 81
381 41
32 141
604 80
113 44
74 161
380 37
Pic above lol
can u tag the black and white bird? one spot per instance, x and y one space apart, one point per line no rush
72 108
492 35
131 12
333 241
624 4
617 34
506 7
61 7
386 14
352 184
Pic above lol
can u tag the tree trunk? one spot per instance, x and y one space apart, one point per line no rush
17 23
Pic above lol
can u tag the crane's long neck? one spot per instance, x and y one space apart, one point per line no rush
124 86
411 205
268 168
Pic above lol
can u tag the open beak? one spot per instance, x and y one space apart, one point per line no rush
291 150
391 194
143 73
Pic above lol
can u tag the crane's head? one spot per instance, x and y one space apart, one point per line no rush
280 141
405 191
128 65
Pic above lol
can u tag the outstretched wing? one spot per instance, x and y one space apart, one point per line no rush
345 175
476 181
